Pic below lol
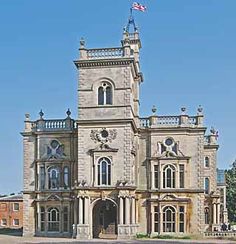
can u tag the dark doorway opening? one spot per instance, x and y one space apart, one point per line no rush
105 219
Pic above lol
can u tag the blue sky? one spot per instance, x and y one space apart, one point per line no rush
188 58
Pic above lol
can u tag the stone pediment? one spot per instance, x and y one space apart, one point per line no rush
54 197
104 148
173 198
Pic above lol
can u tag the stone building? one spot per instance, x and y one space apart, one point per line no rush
111 172
11 211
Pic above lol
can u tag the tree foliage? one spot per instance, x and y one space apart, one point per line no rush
231 192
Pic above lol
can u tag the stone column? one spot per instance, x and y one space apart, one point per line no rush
214 213
218 213
152 177
86 210
39 217
152 218
80 210
133 210
121 210
127 210
76 211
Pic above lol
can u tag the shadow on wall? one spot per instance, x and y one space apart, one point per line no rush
11 232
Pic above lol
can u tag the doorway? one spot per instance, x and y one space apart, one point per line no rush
105 219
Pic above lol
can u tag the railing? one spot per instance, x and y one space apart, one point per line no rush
168 121
144 122
54 125
192 120
105 53
220 234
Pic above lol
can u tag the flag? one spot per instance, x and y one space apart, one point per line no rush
139 7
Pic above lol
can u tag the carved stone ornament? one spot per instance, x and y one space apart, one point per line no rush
103 135
54 150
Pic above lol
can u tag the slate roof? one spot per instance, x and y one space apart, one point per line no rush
17 197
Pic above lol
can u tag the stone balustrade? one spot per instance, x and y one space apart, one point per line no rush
54 125
103 53
171 121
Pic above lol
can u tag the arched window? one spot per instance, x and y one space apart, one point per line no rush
169 176
66 177
105 94
53 219
206 185
206 162
53 178
169 221
104 171
207 216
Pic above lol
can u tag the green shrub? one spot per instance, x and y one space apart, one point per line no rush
171 237
141 235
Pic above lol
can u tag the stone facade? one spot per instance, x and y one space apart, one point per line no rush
111 173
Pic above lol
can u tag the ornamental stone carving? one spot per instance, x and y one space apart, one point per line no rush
103 136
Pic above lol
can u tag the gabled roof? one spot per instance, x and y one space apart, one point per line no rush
17 197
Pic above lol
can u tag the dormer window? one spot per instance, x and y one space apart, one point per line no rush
105 94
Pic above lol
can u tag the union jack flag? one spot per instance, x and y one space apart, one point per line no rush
139 7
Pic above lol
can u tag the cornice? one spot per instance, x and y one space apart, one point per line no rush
85 63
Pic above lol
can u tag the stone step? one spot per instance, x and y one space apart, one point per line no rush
107 236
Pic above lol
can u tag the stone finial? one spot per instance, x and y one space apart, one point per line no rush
199 109
154 109
183 110
41 114
212 130
82 43
68 112
27 117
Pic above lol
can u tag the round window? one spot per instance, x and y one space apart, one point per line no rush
104 133
169 141
54 144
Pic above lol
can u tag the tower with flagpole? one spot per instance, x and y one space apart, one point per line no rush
111 173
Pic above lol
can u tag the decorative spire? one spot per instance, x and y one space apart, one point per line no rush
130 22
41 114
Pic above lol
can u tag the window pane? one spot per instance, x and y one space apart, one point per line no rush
206 185
156 219
16 206
156 176
66 177
206 162
65 215
109 174
53 219
104 175
168 173
98 174
181 176
108 95
100 96
42 178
